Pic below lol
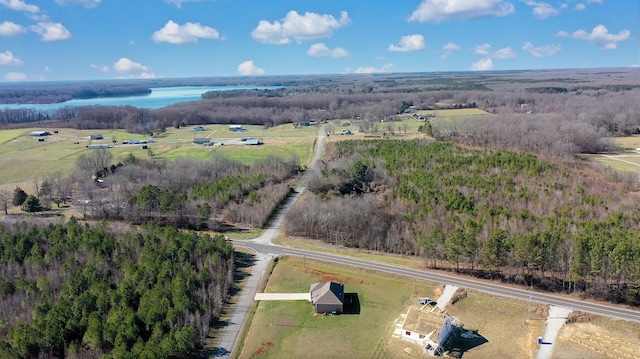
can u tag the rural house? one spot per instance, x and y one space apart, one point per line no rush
432 330
235 128
327 297
96 136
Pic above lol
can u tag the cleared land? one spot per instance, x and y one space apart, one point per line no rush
290 329
597 337
24 159
625 159
286 329
511 327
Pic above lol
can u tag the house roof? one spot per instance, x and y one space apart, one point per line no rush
327 293
422 321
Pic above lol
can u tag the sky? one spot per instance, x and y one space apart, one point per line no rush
68 40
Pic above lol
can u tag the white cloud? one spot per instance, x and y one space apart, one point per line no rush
542 10
483 49
184 34
101 68
50 31
541 51
321 50
16 76
485 64
443 10
309 26
248 68
130 69
580 7
85 3
409 43
594 1
7 58
19 5
374 70
179 2
599 35
9 28
449 49
504 54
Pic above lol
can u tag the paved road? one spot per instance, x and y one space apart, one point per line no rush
230 334
265 250
612 311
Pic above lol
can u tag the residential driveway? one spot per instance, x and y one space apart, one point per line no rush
283 296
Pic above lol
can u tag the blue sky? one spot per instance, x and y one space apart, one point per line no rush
56 40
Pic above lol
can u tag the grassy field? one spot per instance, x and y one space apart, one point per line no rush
626 159
290 329
24 159
511 326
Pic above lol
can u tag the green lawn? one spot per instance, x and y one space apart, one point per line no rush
290 330
24 159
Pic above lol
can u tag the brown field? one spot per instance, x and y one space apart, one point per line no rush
598 337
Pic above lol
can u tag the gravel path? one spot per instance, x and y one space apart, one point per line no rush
445 298
555 321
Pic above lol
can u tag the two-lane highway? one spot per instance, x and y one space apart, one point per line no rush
613 311
265 249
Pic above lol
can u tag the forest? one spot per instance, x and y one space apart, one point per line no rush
545 222
504 196
69 289
192 194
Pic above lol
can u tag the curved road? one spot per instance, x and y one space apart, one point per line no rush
265 250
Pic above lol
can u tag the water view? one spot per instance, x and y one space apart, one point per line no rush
159 97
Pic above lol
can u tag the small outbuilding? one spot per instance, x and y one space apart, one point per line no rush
96 136
39 133
235 128
327 297
253 142
201 140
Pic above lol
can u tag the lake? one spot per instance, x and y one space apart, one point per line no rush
159 97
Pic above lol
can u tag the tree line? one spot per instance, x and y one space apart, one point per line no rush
90 291
554 224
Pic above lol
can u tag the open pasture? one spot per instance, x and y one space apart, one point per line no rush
625 159
286 329
289 329
24 158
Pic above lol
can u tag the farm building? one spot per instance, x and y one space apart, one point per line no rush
197 129
98 146
235 128
96 136
327 297
253 142
201 140
39 133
